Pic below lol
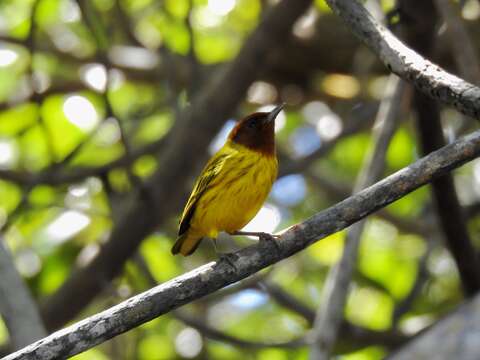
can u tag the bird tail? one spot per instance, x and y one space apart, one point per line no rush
186 244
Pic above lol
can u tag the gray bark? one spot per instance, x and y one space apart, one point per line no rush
17 307
455 337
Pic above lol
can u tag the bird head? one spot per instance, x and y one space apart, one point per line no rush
257 131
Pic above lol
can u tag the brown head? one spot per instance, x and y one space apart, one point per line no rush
257 131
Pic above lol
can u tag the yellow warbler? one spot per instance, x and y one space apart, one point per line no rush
233 185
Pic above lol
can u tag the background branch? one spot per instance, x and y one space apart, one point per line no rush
429 78
330 313
17 306
452 338
420 34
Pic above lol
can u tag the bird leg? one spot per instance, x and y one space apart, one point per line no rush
262 236
227 257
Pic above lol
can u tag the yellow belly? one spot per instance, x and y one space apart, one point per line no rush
236 196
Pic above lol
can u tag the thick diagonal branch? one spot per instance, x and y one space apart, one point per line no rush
216 275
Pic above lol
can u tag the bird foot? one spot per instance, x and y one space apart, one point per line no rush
267 238
262 237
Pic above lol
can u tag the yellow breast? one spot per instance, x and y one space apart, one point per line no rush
237 193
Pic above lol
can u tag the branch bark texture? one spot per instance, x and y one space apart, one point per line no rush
215 275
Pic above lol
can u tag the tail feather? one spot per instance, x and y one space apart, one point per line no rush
186 244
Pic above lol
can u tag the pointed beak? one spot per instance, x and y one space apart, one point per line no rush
273 114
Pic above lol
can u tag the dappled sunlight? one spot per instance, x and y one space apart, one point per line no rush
8 153
80 112
261 92
95 76
134 57
188 343
221 137
304 27
69 11
221 7
248 299
341 85
267 220
28 263
304 141
7 57
64 227
415 324
471 10
329 126
289 190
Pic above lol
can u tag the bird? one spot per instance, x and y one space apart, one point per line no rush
233 185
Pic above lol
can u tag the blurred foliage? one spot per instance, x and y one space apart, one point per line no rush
56 114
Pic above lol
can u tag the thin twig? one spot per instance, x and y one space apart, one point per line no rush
405 304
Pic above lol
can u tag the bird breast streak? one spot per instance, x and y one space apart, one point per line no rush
237 194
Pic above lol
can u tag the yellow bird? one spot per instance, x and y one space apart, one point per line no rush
233 185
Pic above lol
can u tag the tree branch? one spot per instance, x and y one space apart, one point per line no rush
17 307
429 78
216 275
455 337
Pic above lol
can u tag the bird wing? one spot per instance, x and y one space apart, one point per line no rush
211 170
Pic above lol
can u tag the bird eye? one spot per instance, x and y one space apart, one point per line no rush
252 124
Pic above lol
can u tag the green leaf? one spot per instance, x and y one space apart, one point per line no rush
370 308
145 166
401 151
18 119
42 195
369 353
156 251
156 346
10 196
34 149
92 354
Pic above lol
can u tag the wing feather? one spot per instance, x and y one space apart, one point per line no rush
210 172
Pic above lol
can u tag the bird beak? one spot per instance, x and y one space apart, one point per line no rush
273 114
